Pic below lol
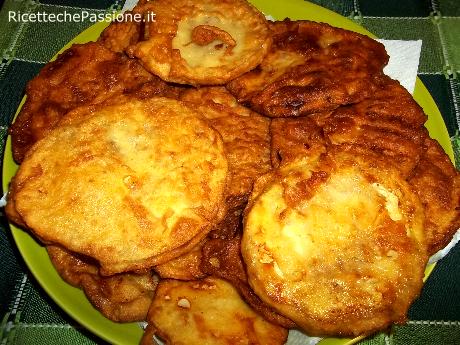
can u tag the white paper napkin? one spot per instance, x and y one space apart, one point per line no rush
404 61
129 5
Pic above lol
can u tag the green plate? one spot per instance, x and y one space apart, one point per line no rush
72 300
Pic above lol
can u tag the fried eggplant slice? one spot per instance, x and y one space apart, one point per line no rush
71 267
124 32
437 183
390 123
207 311
184 267
83 74
201 42
293 138
247 144
311 67
131 185
336 244
123 297
222 258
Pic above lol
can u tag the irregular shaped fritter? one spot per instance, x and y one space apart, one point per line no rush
311 67
121 298
153 88
184 267
201 41
131 185
207 311
338 245
292 138
390 123
247 144
222 258
437 183
392 102
83 74
71 268
121 34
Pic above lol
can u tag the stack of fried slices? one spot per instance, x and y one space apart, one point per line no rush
226 178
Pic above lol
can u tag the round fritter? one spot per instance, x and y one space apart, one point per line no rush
206 312
245 135
247 144
336 245
437 183
390 123
201 41
83 74
311 67
221 258
131 185
123 297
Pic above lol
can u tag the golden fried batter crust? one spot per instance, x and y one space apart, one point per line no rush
131 185
247 145
83 74
437 183
119 35
390 123
338 245
184 267
71 268
121 298
201 42
222 258
311 67
207 311
293 138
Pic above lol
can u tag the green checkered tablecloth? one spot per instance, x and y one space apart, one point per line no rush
29 316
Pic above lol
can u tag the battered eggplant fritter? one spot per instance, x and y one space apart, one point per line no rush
84 74
123 297
207 311
184 267
131 185
336 244
247 145
437 183
389 123
201 42
311 67
222 258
